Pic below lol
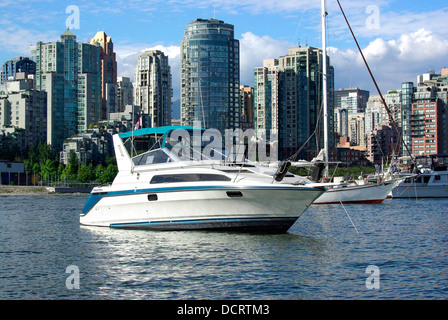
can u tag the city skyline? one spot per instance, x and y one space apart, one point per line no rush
398 41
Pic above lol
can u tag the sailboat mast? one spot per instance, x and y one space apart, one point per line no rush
324 85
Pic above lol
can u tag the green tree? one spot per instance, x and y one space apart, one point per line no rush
38 156
86 173
73 162
69 173
48 169
61 168
36 168
109 174
99 171
109 160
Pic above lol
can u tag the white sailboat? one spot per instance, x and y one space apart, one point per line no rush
338 192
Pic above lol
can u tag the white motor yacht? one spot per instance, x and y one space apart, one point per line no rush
430 179
159 190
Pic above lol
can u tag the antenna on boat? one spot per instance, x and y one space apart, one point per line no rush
324 85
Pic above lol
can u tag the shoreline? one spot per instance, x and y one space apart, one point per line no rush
37 191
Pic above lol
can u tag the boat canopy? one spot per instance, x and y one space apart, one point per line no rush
157 130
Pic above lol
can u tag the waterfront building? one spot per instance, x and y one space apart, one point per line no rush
153 87
426 125
125 93
301 102
373 112
356 128
341 121
11 67
210 75
128 116
348 101
69 71
393 102
349 154
407 94
246 107
429 120
23 114
288 98
266 97
108 69
383 142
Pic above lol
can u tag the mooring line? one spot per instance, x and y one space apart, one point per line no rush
348 214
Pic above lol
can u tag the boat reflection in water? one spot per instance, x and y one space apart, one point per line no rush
159 190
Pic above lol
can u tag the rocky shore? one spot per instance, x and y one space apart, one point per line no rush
35 191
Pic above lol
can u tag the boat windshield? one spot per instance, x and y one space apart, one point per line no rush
435 162
440 162
156 156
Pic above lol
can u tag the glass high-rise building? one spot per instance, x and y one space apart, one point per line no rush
407 95
288 98
69 71
153 89
210 75
108 63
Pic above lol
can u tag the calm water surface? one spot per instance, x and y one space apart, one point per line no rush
322 256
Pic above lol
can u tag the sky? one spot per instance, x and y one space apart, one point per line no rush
400 39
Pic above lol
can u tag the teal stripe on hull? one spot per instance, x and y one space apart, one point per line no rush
95 197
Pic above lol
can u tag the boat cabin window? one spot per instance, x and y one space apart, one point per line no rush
152 157
172 178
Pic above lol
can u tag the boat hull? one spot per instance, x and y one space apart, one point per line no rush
414 191
271 225
265 209
362 194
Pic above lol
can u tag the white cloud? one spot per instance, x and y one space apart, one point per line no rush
254 49
18 40
391 61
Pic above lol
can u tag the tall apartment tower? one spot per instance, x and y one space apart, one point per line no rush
108 66
407 95
69 71
210 75
23 113
356 128
429 109
247 107
288 97
153 89
125 93
266 107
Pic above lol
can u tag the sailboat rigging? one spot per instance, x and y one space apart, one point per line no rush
339 192
324 84
375 83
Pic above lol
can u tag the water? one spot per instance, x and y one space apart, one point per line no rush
322 256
